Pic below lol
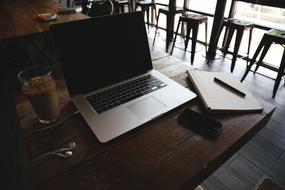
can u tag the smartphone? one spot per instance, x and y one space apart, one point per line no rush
200 123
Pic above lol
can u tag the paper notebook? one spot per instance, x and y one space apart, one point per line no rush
217 98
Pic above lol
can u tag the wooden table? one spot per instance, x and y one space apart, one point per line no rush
158 155
18 18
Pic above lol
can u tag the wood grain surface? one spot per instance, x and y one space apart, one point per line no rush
158 155
19 18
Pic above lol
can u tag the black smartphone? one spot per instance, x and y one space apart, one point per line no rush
200 123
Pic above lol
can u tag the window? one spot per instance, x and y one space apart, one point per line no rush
263 15
206 6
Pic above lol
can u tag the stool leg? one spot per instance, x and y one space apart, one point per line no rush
225 36
249 44
187 37
147 15
152 14
129 7
236 48
206 36
175 37
155 13
182 30
228 41
259 48
279 76
156 27
264 51
119 10
133 5
194 41
143 10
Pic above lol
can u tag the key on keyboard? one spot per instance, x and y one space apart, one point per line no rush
105 100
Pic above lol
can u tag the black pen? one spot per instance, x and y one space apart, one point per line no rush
222 83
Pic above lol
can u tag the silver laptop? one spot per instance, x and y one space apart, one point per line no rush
108 70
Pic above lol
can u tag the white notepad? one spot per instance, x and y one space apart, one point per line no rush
217 98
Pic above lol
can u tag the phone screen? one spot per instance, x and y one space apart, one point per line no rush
200 123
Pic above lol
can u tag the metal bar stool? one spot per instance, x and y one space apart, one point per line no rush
119 5
165 11
145 8
239 26
193 21
272 36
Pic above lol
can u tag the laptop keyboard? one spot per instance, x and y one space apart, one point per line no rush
105 100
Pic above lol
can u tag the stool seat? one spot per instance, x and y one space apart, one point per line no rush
199 18
165 10
232 25
146 2
193 21
238 24
272 36
122 1
276 36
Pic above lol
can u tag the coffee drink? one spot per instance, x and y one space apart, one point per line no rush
41 91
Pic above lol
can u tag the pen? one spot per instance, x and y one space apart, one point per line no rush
233 89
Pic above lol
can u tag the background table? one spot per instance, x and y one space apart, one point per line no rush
18 18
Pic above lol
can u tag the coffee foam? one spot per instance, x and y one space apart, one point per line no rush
39 85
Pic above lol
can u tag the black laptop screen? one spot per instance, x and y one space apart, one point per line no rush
100 51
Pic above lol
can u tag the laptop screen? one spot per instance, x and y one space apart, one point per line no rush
100 51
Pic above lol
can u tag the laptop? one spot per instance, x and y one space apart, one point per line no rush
108 71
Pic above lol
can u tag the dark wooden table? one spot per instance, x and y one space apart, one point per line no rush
18 18
158 155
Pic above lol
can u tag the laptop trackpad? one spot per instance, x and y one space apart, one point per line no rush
146 108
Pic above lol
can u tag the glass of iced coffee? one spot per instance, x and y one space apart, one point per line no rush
40 88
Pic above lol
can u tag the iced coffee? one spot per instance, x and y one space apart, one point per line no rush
40 88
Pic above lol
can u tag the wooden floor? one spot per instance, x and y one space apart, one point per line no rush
264 154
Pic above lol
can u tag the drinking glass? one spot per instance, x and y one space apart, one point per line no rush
40 88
